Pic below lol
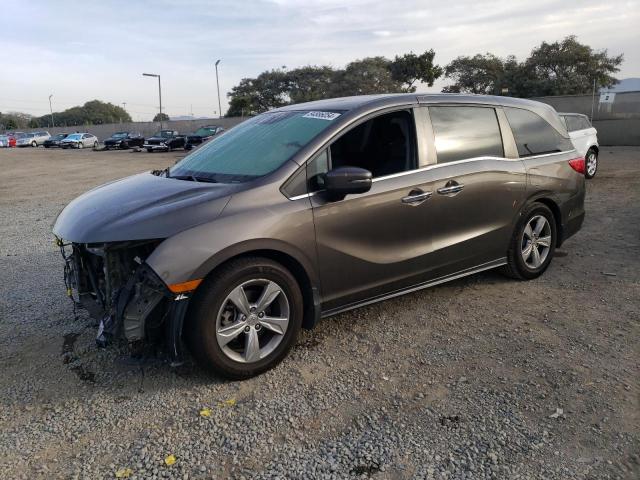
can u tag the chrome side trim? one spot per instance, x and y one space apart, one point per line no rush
440 165
431 283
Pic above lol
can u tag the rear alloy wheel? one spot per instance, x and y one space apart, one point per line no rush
245 319
95 145
80 145
591 164
533 243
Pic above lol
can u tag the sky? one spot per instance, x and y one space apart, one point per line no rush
84 50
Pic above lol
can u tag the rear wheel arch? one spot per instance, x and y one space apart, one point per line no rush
552 205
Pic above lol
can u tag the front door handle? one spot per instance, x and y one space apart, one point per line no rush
451 187
416 197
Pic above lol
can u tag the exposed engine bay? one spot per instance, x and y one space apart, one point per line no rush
119 290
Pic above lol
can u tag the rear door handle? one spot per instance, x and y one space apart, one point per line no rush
416 197
451 187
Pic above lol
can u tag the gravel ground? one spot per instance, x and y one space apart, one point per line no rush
481 378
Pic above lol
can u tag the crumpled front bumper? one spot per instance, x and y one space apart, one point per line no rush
138 307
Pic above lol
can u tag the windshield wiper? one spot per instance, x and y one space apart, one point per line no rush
195 178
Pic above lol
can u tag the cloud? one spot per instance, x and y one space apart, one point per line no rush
84 50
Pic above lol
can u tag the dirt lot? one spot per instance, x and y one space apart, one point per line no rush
484 377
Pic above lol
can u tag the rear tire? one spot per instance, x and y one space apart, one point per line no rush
212 314
34 144
532 244
590 164
80 145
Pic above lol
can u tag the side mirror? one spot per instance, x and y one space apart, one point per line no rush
343 181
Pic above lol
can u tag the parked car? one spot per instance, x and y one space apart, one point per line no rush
316 208
79 140
38 138
4 141
202 135
55 140
585 139
14 137
11 140
164 140
32 139
124 140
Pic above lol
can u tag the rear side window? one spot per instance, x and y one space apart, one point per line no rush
584 123
465 132
574 123
533 135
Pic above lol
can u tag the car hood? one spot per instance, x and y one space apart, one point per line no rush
141 207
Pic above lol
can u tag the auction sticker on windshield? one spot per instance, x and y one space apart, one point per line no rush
321 115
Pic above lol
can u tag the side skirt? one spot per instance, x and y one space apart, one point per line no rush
420 286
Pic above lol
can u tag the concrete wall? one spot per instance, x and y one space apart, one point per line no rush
618 122
145 128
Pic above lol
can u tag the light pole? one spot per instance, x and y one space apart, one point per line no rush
124 107
51 110
218 86
159 93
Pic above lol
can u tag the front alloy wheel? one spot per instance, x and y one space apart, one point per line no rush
252 320
244 317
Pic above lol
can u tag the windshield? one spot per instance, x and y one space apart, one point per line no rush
119 135
254 148
204 132
60 136
74 136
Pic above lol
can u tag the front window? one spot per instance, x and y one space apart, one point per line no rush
256 147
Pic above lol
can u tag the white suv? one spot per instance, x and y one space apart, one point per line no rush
584 138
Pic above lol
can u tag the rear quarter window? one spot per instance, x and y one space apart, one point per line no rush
534 135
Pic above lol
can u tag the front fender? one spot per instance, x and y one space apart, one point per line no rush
286 228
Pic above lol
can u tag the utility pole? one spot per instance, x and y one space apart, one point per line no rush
53 124
218 86
593 98
159 93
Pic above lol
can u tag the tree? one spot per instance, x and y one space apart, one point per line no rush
93 112
411 68
481 74
257 95
560 68
310 83
570 68
161 117
14 120
367 76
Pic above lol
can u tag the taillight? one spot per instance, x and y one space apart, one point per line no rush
577 164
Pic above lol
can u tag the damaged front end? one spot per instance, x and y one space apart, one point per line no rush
118 289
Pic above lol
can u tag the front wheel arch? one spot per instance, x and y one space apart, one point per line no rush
310 291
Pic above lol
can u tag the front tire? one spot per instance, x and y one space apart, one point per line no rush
591 164
80 145
245 318
532 244
34 144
